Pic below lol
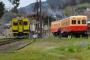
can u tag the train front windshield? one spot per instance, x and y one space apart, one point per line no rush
20 22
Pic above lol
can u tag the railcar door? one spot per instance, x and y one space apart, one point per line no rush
20 26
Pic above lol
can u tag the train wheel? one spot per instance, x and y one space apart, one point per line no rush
55 34
64 34
85 35
77 35
60 35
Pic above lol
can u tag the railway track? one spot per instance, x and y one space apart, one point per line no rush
8 40
11 45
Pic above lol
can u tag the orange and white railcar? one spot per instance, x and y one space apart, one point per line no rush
74 25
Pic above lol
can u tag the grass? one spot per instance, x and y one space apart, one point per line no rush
52 48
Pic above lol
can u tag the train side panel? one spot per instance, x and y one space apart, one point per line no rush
74 24
64 25
80 25
26 25
14 25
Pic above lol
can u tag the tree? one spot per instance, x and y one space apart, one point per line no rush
15 3
1 9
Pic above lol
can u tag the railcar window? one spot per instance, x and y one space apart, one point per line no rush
20 23
25 23
73 21
83 21
79 22
15 23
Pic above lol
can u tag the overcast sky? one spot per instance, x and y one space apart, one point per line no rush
23 3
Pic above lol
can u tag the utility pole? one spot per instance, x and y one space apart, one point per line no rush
48 27
37 6
39 16
40 19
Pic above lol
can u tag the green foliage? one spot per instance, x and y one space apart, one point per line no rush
68 49
71 10
1 9
73 49
65 3
89 47
68 11
82 6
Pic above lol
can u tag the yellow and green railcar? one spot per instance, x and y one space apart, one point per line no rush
20 27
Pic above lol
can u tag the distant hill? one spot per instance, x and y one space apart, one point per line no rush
64 3
52 8
46 10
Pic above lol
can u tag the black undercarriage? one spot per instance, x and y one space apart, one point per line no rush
71 34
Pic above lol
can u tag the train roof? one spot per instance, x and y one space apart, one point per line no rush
55 21
77 16
69 17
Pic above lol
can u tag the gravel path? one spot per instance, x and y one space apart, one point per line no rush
13 46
